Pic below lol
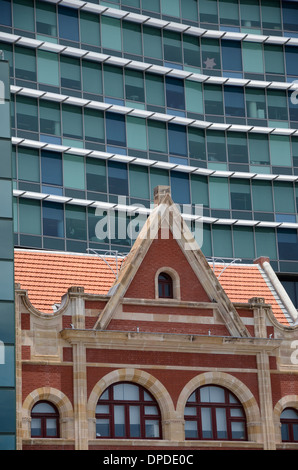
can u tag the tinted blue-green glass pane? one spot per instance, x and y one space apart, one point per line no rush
92 77
7 411
189 10
284 197
222 241
29 217
74 171
196 144
158 177
25 63
7 370
94 125
46 19
28 165
113 82
250 13
89 29
139 182
118 178
271 14
7 322
134 86
132 39
240 194
23 14
6 286
280 150
111 33
216 145
7 442
157 136
252 57
136 133
262 196
231 55
211 59
72 122
70 73
180 187
75 222
177 139
199 190
175 93
243 238
237 148
27 113
229 12
96 175
50 118
170 7
274 59
287 244
115 129
51 168
6 246
53 219
258 149
172 47
219 193
155 93
191 51
234 101
5 198
5 8
152 42
48 68
207 243
68 23
255 104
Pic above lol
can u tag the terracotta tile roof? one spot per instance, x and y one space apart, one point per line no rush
48 275
242 282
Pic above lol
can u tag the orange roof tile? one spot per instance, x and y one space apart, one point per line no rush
47 276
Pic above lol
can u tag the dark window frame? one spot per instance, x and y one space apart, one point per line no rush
227 406
165 286
44 417
142 403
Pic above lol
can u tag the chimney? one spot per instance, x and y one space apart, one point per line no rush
160 192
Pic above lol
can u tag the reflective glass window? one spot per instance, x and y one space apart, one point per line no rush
53 219
177 139
89 28
152 42
118 178
51 168
180 189
5 8
94 125
46 19
48 68
231 55
75 218
116 129
132 39
172 47
175 93
25 63
234 101
68 23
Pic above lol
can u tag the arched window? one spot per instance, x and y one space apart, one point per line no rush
165 286
212 412
127 410
44 420
289 425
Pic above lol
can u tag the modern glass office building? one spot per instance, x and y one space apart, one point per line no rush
7 315
112 98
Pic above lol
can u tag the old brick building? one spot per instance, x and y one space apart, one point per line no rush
158 350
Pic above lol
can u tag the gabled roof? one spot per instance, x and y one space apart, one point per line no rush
48 275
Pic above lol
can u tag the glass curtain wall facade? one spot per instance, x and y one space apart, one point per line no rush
111 98
7 312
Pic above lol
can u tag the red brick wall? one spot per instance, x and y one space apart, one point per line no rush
160 254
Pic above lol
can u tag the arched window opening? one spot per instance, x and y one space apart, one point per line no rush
127 410
214 413
165 286
289 425
44 420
